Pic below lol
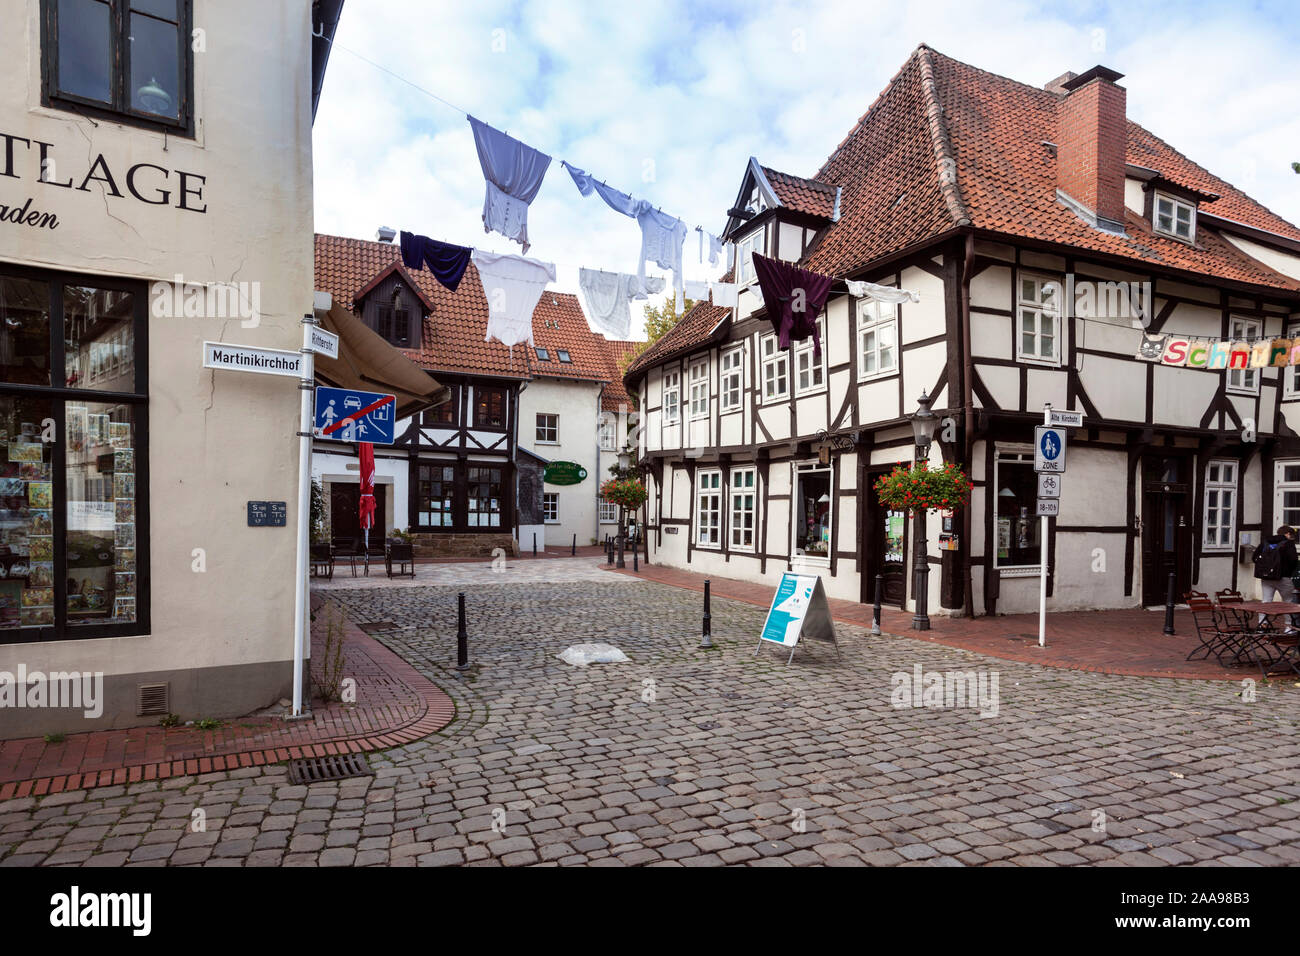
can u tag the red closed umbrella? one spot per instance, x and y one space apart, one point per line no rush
366 509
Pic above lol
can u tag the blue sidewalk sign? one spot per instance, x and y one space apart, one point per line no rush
1049 449
343 414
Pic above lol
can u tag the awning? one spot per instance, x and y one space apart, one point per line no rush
369 363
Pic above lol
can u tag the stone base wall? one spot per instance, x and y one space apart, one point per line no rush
462 545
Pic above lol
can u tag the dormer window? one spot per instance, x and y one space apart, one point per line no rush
747 246
393 321
1174 217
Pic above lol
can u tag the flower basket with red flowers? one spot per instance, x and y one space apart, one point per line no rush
922 488
627 493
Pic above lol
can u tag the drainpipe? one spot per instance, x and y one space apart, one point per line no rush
968 408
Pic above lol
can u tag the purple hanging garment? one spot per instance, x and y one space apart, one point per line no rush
794 298
447 262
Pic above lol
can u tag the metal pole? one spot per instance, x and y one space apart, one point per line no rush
706 639
573 549
621 539
921 575
1169 603
462 636
306 419
875 611
534 544
635 565
1042 556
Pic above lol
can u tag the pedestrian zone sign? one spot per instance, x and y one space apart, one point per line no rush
1049 449
344 414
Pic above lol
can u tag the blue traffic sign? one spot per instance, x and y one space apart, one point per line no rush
1051 445
1049 449
343 414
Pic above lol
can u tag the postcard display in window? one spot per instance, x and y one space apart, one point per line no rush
26 525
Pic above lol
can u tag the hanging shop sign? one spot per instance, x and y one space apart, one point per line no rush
564 473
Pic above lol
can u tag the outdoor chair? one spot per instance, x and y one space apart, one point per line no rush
349 548
1228 596
1283 653
322 561
401 554
1210 627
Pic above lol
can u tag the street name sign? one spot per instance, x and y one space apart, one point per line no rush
1065 419
1049 449
344 414
247 358
324 343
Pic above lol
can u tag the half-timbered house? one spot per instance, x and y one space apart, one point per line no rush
1043 233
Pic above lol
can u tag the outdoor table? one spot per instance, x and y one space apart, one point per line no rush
1247 610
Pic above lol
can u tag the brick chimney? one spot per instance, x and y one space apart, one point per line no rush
1090 140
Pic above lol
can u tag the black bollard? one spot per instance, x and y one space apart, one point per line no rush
706 640
462 636
875 611
534 544
620 563
635 566
573 551
1169 605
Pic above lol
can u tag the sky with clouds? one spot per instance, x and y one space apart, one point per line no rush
667 101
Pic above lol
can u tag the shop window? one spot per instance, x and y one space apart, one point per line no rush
742 509
73 481
1016 527
551 507
435 491
1220 505
489 408
128 60
813 512
484 494
708 509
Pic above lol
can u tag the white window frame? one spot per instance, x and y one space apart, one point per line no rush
672 386
1176 205
798 556
1291 373
1280 488
550 507
548 428
1042 311
731 373
742 501
708 508
755 241
1220 484
608 513
771 355
874 318
804 363
607 432
1243 381
1017 455
698 376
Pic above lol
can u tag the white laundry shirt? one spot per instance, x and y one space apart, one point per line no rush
514 172
715 249
608 296
882 293
512 285
617 201
662 238
725 295
697 291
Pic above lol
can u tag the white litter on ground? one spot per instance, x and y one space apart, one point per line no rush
580 655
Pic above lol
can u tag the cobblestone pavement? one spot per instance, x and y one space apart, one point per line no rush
692 757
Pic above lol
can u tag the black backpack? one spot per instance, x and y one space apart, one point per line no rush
1268 560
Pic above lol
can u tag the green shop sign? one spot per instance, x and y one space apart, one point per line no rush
564 473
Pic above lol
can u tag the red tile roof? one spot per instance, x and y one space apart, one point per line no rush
946 145
802 195
455 329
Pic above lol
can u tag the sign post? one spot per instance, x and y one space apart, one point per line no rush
1049 463
306 386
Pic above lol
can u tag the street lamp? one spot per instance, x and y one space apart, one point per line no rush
924 422
624 463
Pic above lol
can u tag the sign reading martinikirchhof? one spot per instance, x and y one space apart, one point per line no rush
246 358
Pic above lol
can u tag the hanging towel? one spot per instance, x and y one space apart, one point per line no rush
696 291
662 238
512 285
608 296
883 293
715 249
446 261
514 172
724 295
617 201
793 298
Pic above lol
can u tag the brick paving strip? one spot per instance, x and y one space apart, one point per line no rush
1129 643
396 704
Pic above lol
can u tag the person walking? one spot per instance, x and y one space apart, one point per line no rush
1276 561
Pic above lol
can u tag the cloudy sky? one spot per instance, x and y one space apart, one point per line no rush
667 101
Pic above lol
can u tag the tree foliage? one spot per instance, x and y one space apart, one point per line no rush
659 321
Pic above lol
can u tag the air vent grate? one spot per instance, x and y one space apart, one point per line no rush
316 769
152 699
